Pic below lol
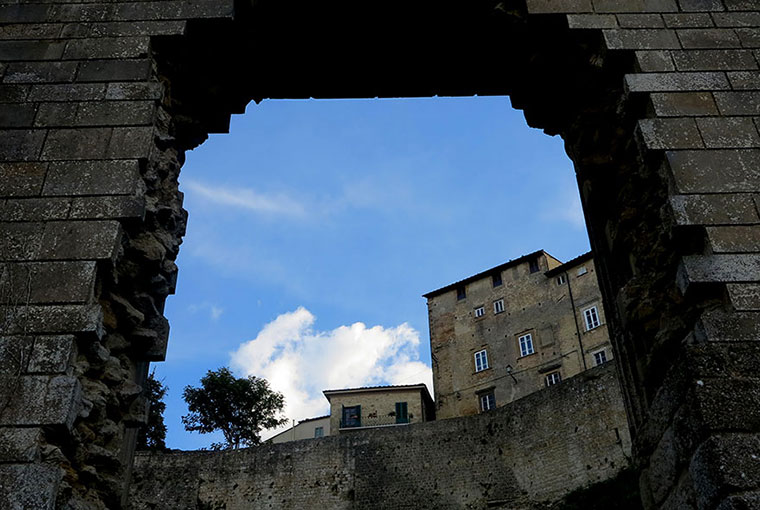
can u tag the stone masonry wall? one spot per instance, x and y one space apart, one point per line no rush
656 100
533 451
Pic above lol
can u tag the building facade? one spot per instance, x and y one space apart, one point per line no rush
511 330
379 406
310 428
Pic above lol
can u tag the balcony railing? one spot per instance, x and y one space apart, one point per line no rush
374 421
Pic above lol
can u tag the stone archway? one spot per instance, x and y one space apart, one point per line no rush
654 99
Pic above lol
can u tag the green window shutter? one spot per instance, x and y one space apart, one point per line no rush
402 415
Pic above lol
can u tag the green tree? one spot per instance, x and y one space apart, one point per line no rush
239 407
152 436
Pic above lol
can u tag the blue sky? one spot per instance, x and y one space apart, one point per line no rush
316 226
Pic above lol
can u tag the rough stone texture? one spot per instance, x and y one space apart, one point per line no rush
649 184
577 437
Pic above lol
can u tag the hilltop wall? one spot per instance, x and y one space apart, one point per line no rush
535 450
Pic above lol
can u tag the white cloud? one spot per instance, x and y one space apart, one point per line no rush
300 362
214 311
246 198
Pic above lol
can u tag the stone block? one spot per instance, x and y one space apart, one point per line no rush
114 70
683 104
737 19
700 5
40 400
20 241
47 282
92 178
675 82
130 143
738 103
719 326
14 51
749 37
716 209
580 21
645 39
40 72
21 144
67 92
80 240
134 91
107 48
20 445
29 486
690 20
728 132
640 21
711 360
701 38
635 6
52 354
559 6
740 5
697 171
714 60
136 28
19 115
654 61
108 207
75 144
29 31
673 133
725 464
749 80
14 93
21 179
52 319
95 113
721 268
744 296
734 239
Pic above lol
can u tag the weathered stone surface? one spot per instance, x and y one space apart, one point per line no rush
694 171
735 239
47 282
26 486
715 209
19 445
39 400
745 297
714 476
33 319
92 178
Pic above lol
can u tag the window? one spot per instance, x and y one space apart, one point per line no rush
553 378
402 412
561 279
533 265
582 271
481 360
319 432
498 306
526 345
461 293
487 401
592 318
352 417
496 279
480 311
600 357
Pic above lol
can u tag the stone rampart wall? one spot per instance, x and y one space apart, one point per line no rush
534 450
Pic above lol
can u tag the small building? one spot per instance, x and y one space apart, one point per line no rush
514 329
309 428
379 406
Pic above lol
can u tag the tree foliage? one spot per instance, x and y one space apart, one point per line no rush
152 436
239 407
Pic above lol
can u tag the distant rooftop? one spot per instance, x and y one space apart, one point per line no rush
570 263
369 389
487 272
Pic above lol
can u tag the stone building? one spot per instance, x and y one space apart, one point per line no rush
511 330
379 406
310 428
